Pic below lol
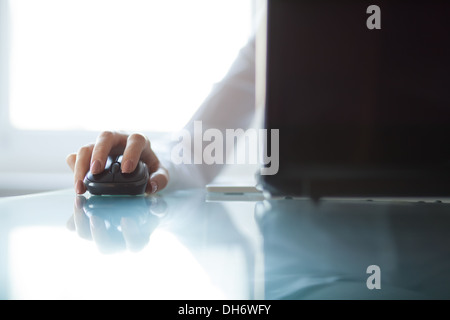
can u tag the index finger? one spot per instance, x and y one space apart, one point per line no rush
106 143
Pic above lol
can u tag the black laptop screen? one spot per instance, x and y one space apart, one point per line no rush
346 95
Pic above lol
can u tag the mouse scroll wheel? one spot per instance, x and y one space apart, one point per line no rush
115 168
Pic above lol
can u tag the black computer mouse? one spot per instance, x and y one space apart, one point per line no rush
113 182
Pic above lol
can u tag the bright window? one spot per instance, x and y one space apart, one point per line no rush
119 64
72 68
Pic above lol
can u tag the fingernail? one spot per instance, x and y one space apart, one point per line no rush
79 187
96 167
154 186
127 167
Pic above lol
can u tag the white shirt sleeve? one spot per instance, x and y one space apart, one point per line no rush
230 105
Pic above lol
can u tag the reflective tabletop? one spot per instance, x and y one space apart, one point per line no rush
186 245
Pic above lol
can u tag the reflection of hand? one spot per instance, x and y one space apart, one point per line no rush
117 223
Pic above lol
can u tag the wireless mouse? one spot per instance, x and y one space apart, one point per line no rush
113 182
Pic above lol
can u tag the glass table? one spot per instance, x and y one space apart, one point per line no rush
187 245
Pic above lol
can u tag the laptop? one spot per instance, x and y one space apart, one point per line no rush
360 95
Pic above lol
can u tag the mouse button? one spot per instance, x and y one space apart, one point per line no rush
104 176
137 175
115 168
123 177
126 177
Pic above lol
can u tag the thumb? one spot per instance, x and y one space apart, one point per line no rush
158 180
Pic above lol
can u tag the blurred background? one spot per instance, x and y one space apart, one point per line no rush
72 68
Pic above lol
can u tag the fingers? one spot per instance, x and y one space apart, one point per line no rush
134 148
93 157
81 167
71 160
107 142
138 146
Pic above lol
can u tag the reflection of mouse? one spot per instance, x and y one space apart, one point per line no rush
113 182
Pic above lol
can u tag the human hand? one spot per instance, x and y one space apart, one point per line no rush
134 147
